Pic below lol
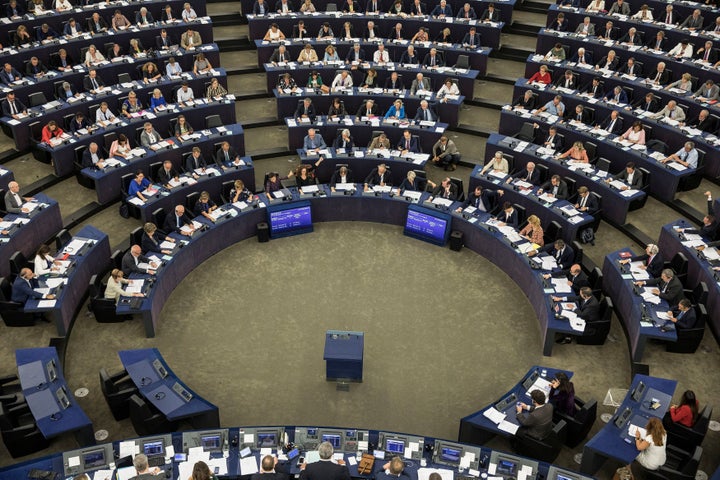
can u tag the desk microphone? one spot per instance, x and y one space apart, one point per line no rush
159 395
145 381
56 416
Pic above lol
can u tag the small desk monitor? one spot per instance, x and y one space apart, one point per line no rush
394 446
334 439
211 441
450 453
93 459
289 219
428 225
267 439
51 370
509 465
154 447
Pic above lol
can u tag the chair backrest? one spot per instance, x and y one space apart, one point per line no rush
606 309
108 139
5 289
213 121
463 61
125 182
679 264
703 420
37 98
159 217
225 190
124 78
554 231
18 262
331 7
595 279
657 145
460 188
62 238
591 150
700 293
527 132
116 259
645 178
579 253
190 200
136 236
571 185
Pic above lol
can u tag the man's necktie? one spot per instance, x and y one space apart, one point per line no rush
610 127
582 202
227 156
707 54
407 144
13 110
94 83
557 254
177 221
667 18
472 40
427 115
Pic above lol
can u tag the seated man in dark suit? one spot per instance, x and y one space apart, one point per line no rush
92 81
424 112
555 187
133 258
483 199
178 219
325 469
472 38
653 262
270 470
306 110
630 175
378 176
164 41
24 286
579 115
563 254
587 308
527 101
567 81
394 82
552 139
594 89
260 8
528 174
433 59
613 123
368 109
647 103
586 201
166 173
410 56
93 157
707 53
408 143
508 215
669 287
631 68
576 278
582 57
710 225
538 422
446 190
226 154
704 122
683 316
341 175
344 140
617 95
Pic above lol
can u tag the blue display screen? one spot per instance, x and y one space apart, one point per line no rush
290 219
450 454
427 225
333 439
395 446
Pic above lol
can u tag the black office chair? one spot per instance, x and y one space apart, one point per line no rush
679 264
638 203
190 200
17 263
692 182
596 332
657 146
147 420
62 238
545 450
579 253
35 137
688 339
213 121
225 191
158 217
103 308
123 78
603 164
463 61
125 180
11 312
554 231
571 187
20 433
687 438
154 169
543 173
697 295
117 390
36 99
136 236
82 180
595 279
116 259
108 140
460 188
580 424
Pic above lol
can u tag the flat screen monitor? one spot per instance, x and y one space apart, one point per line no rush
334 439
154 448
427 225
555 473
637 394
450 454
393 445
267 439
93 459
211 442
506 466
290 219
51 371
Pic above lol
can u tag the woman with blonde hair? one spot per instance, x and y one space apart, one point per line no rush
577 153
652 449
114 286
533 231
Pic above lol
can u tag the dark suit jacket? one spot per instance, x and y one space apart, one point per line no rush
18 9
148 245
87 83
220 155
362 111
655 268
338 143
439 62
405 58
664 76
611 96
673 290
588 58
93 29
584 116
163 177
591 203
494 17
423 9
325 471
527 105
613 65
489 200
374 178
566 257
397 85
350 57
636 181
191 164
617 127
477 40
18 104
712 58
707 125
159 42
357 6
269 476
643 104
588 310
414 147
128 263
581 280
256 8
588 88
707 231
537 423
534 176
562 192
87 157
626 39
31 70
21 291
652 43
556 141
138 17
55 61
637 69
290 6
511 220
336 178
170 224
688 319
275 57
440 190
662 17
419 115
300 111
604 32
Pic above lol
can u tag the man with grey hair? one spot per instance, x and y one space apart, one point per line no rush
144 472
325 469
669 287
